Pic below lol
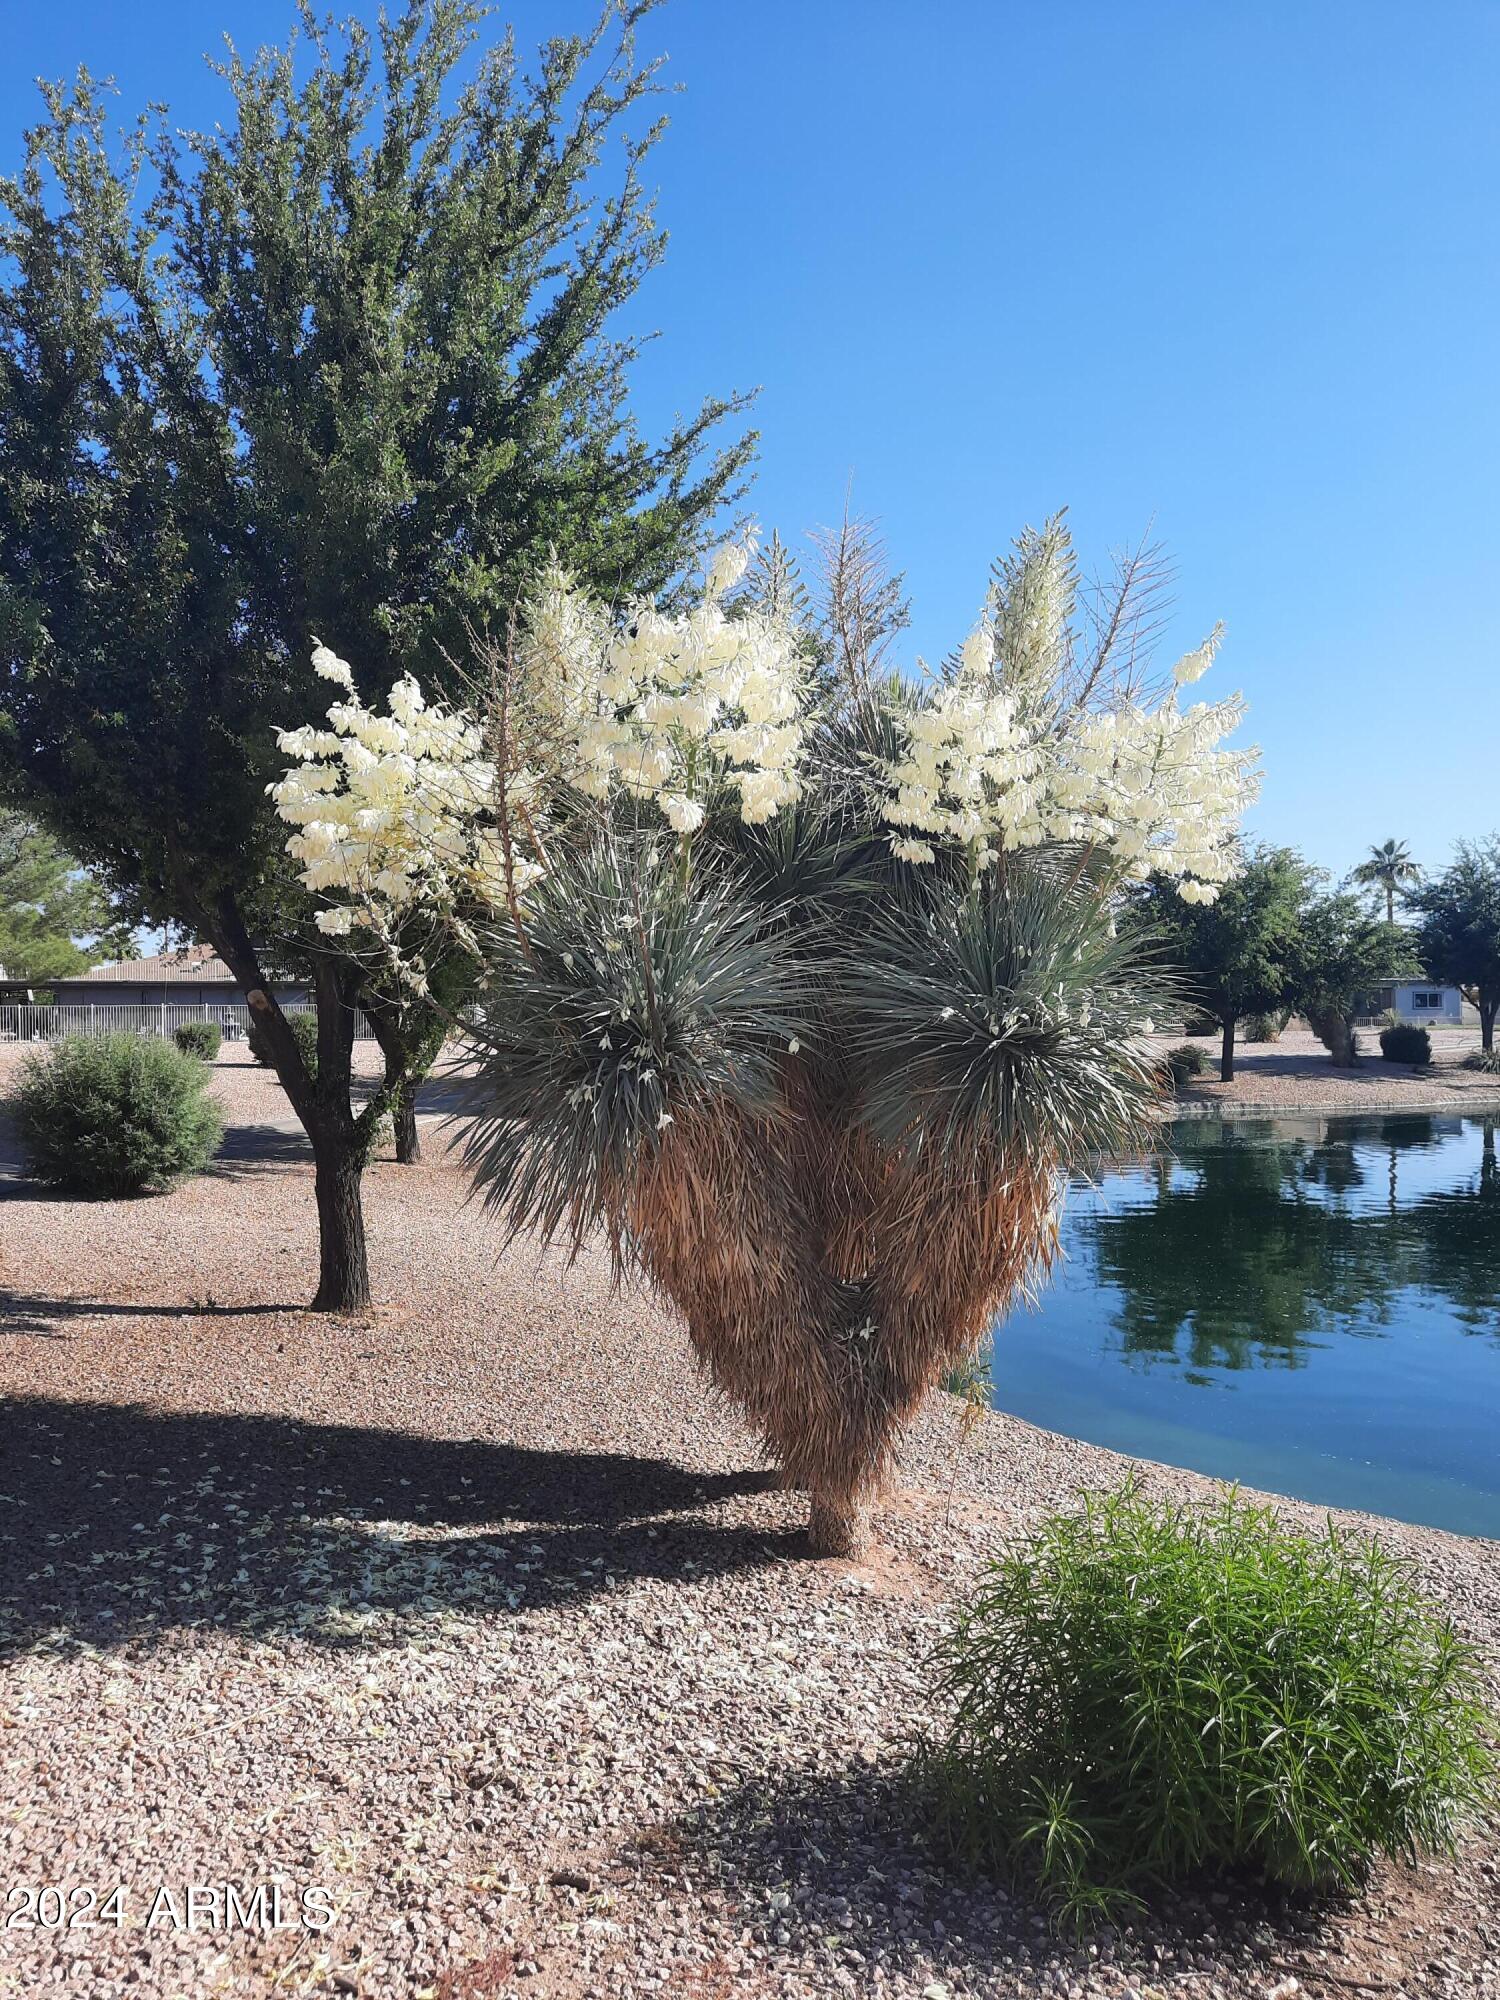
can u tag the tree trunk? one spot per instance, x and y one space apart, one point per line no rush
1334 1031
838 1523
404 1118
1226 1050
343 1266
1487 1023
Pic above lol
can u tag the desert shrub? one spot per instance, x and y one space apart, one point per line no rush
199 1038
1261 1028
1184 1062
116 1115
1143 1692
1201 1024
304 1027
1404 1044
1485 1060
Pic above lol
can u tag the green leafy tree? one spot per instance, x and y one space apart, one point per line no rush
1459 928
1342 955
345 366
51 912
1390 869
1235 956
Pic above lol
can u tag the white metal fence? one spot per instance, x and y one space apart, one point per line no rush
21 1023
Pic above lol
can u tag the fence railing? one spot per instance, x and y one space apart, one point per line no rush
26 1023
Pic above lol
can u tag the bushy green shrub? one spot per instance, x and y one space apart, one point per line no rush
1184 1062
1485 1060
1405 1044
1261 1028
116 1115
199 1038
1141 1692
304 1027
1201 1024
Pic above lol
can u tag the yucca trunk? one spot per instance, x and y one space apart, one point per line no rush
827 1288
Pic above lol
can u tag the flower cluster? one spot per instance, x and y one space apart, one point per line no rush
670 706
992 761
393 813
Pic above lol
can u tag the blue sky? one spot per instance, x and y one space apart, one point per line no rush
1229 273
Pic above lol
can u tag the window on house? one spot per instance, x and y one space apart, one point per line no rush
1425 1000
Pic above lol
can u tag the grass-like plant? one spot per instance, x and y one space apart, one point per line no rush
1140 1693
199 1038
1184 1062
1486 1061
116 1115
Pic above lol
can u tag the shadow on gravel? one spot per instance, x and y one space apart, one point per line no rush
120 1524
829 1864
248 1148
34 1316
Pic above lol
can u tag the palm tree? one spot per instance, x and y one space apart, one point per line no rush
1391 868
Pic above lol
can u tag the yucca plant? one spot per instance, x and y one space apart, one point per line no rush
802 986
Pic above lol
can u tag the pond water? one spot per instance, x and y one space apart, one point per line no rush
1311 1306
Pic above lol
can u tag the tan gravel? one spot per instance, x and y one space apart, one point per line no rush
1296 1074
478 1612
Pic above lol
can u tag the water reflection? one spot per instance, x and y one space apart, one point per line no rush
1255 1238
1311 1305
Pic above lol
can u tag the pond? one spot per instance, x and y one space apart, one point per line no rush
1311 1306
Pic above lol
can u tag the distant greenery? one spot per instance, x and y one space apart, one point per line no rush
1389 869
1274 940
1140 1693
199 1038
1184 1062
1459 928
1405 1044
1237 955
1263 1027
115 1115
304 1027
47 904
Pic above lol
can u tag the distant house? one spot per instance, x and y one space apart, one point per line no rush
1422 1002
195 977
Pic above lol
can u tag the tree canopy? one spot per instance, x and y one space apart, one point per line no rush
1238 955
345 366
1459 927
50 910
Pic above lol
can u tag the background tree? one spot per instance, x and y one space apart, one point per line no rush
344 369
1342 955
55 920
1458 933
1390 869
1237 956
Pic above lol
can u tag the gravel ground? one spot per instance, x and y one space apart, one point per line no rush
478 1612
1295 1074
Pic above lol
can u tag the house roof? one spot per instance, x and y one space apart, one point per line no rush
197 965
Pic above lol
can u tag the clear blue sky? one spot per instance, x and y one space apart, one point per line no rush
1232 270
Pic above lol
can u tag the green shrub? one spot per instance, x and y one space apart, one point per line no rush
1185 1062
1405 1044
199 1038
304 1027
116 1115
1261 1028
1486 1060
1141 1693
1201 1024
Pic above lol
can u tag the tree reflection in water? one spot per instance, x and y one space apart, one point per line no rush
1256 1236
